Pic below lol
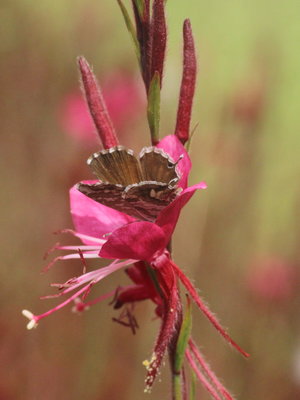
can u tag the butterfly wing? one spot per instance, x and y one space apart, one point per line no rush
109 195
149 198
140 188
117 165
156 165
143 201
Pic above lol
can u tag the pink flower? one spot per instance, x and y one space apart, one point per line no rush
271 280
75 119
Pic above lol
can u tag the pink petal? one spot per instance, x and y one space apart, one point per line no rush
92 218
172 145
168 217
138 240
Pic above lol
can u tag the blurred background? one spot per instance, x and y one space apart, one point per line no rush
238 240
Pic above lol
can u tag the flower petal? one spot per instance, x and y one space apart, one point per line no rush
92 218
138 240
172 145
168 217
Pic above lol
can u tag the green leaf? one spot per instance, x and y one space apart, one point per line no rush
153 110
184 335
131 29
140 6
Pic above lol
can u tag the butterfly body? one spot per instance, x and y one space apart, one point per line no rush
138 186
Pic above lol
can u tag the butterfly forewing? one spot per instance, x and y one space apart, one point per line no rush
157 166
116 166
109 195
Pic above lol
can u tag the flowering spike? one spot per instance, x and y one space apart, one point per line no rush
188 83
159 39
204 308
97 105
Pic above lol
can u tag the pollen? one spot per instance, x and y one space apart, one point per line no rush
149 364
146 363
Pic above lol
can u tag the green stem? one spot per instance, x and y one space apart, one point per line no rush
177 386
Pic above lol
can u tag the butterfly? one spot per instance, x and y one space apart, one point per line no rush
138 186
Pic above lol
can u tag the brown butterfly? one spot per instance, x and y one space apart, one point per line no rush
138 186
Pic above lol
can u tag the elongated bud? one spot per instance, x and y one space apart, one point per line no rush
97 105
188 83
141 9
159 38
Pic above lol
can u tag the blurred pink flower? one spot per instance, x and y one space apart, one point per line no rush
124 99
271 279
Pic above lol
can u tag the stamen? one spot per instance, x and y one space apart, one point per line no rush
80 235
32 319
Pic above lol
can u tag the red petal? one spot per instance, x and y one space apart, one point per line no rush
168 217
172 146
131 294
138 240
